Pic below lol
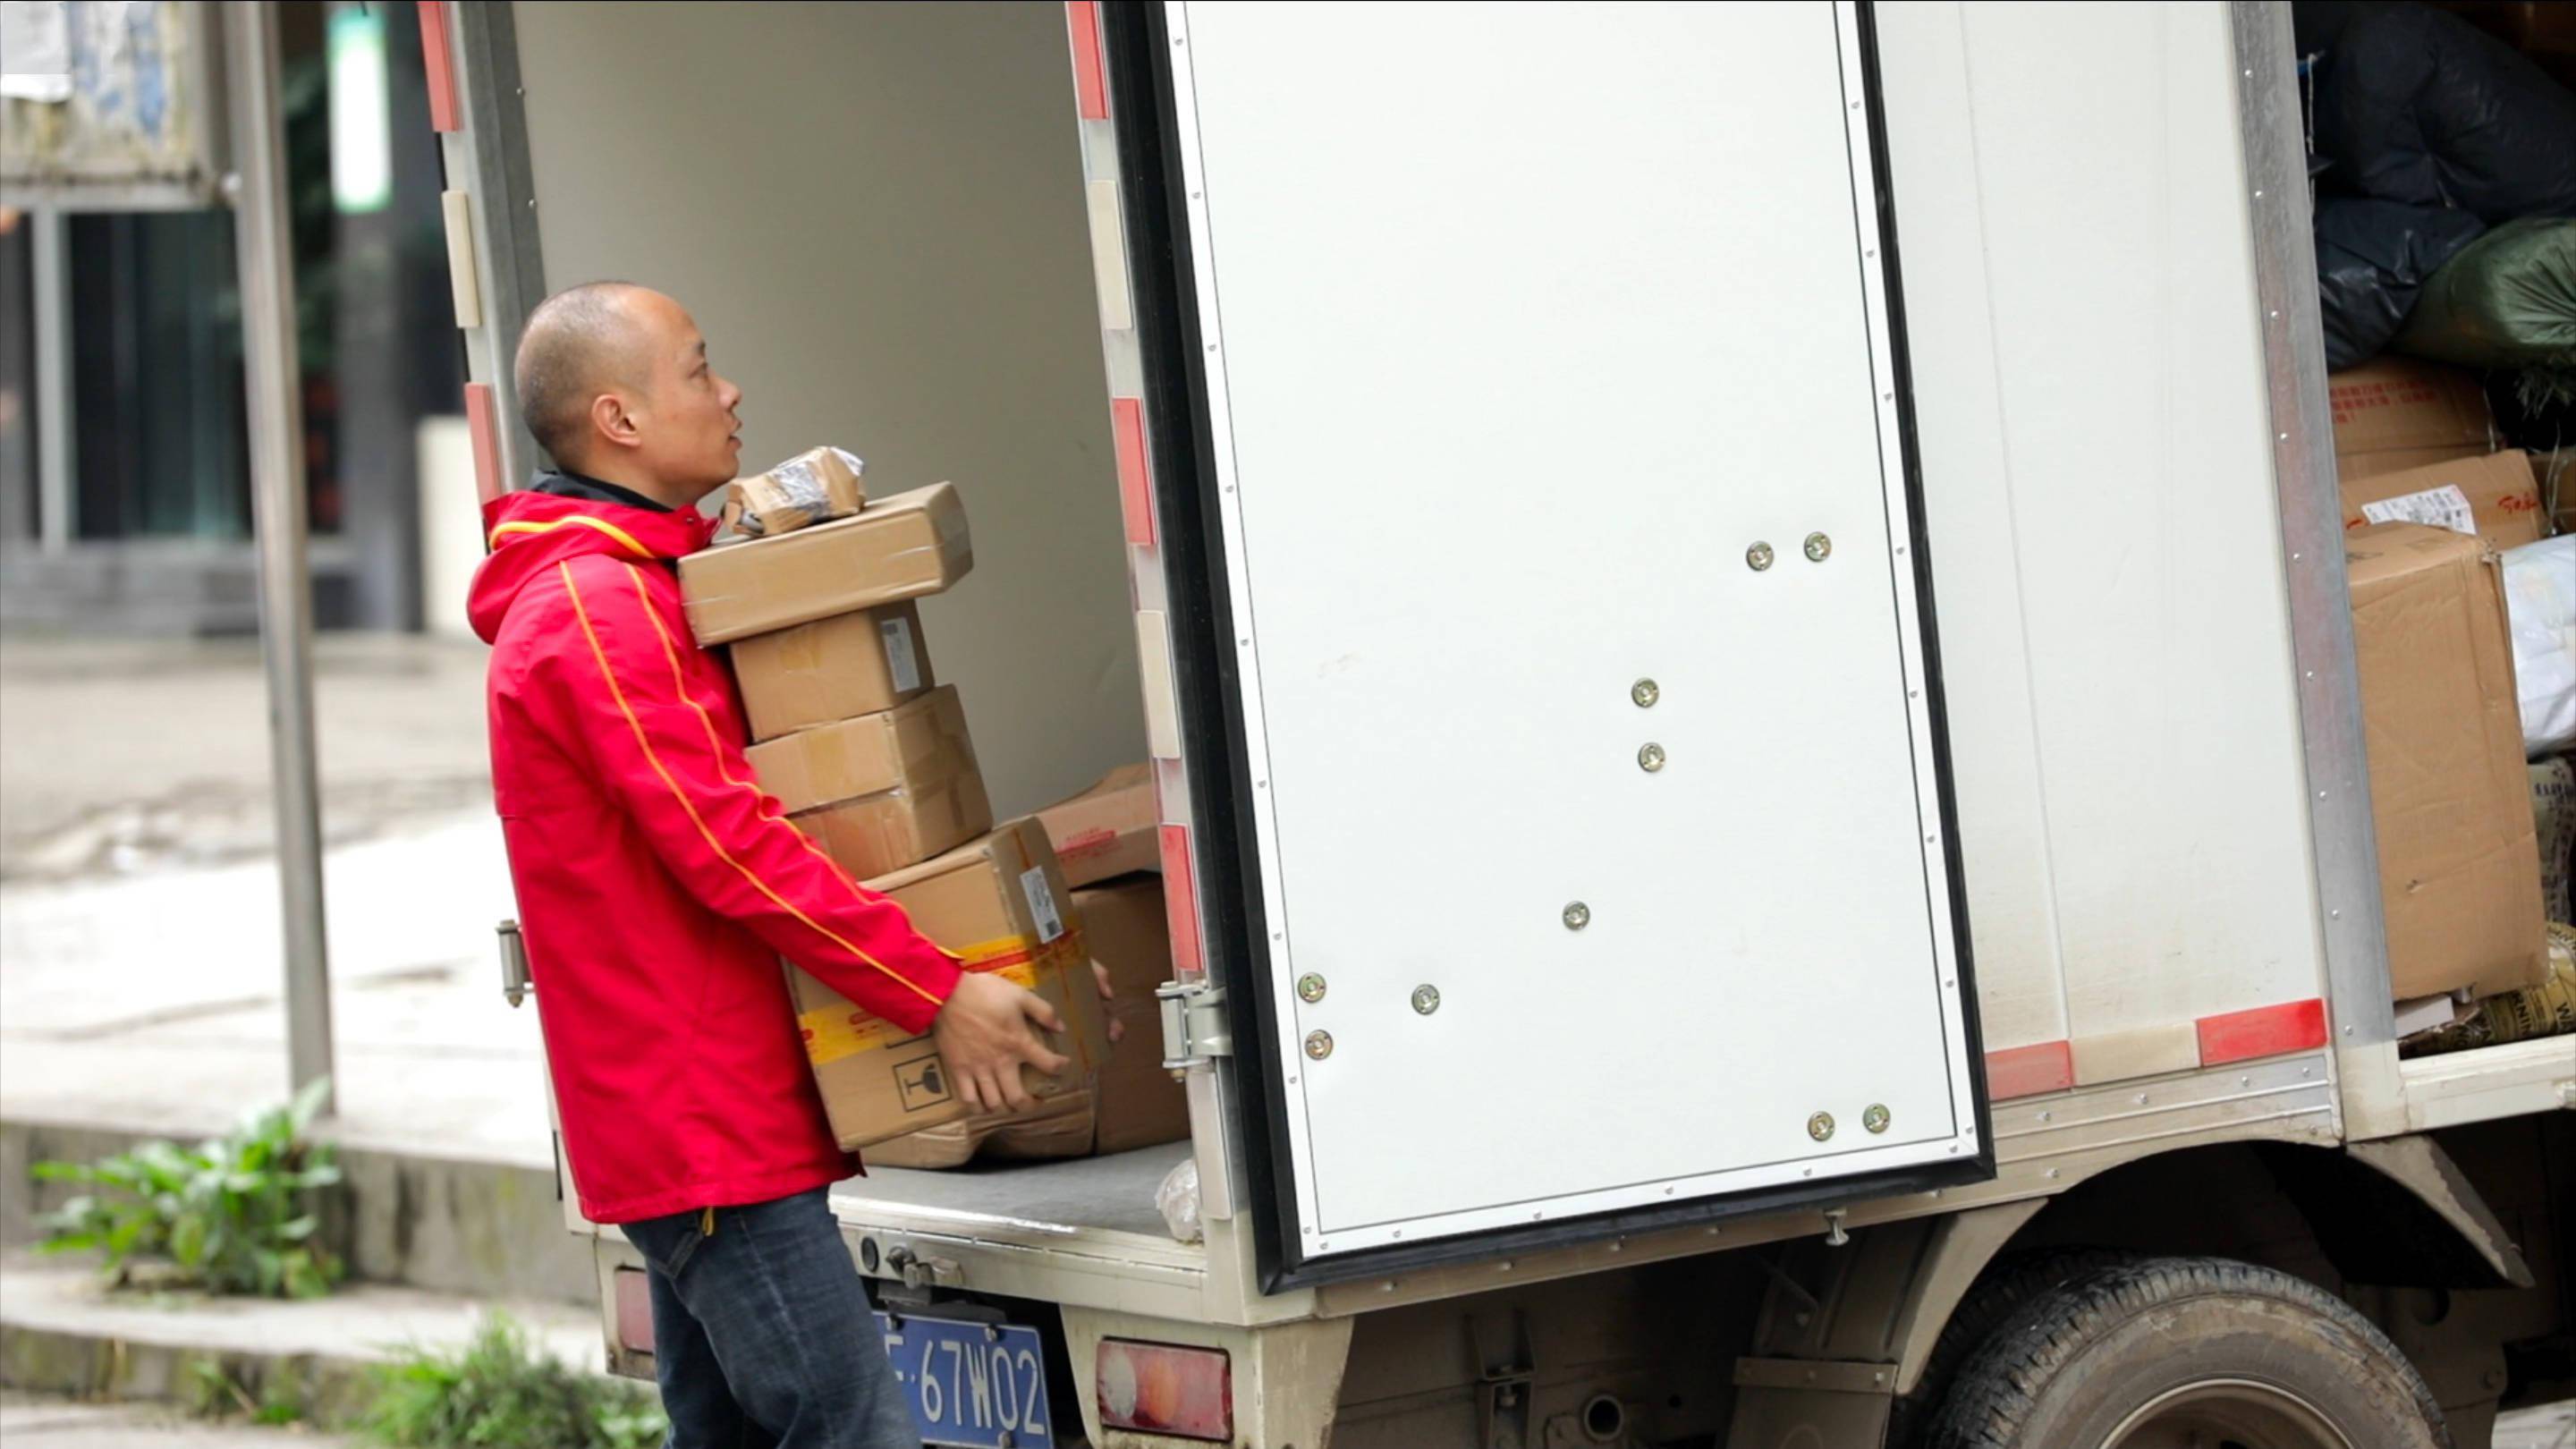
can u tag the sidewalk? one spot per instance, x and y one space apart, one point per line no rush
124 754
28 1422
139 915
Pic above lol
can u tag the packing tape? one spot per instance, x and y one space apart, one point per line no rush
835 1033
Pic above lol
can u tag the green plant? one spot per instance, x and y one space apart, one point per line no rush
212 1392
498 1392
236 1214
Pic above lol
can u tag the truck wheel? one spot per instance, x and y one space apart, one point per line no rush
2187 1353
2001 1293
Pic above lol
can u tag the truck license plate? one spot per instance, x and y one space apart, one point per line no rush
972 1385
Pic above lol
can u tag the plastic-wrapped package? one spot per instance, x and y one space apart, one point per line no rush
2553 819
2372 259
2507 300
815 486
2540 605
2419 106
1178 1198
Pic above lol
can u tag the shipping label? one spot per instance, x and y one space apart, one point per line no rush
1033 883
2443 507
903 665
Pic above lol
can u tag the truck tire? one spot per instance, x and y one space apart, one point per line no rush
2001 1293
2161 1353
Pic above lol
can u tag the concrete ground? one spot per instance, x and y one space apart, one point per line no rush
139 914
31 1422
122 755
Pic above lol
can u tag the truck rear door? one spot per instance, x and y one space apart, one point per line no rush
1529 400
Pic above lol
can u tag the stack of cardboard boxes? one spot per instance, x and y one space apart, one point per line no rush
870 757
2429 504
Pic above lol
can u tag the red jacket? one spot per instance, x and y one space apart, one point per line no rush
657 886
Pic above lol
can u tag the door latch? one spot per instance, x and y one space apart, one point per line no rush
1194 1026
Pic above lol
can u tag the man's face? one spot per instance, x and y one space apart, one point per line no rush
688 435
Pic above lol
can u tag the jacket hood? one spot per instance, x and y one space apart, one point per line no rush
529 533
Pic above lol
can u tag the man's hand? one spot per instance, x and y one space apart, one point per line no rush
986 1029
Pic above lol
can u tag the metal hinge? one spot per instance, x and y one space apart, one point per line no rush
1194 1026
515 986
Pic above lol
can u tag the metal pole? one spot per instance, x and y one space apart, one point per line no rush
49 269
258 190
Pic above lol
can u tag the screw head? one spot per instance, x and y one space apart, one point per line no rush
1426 998
1645 692
1577 916
1821 1126
1319 1044
1758 557
1818 547
1310 988
1874 1117
1650 757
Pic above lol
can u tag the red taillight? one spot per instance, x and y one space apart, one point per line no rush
1159 1389
634 1311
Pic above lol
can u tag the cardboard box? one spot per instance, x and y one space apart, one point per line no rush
1002 905
897 548
882 791
2393 413
2459 867
1057 1127
1112 829
837 668
2496 496
815 485
1135 1103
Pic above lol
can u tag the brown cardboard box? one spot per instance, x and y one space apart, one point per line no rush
2459 867
2393 413
1112 829
1060 1126
896 548
837 668
999 903
2496 492
1135 1102
882 791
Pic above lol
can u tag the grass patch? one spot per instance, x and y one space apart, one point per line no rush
212 1391
500 1392
235 1214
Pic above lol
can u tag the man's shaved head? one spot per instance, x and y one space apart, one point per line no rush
577 342
614 381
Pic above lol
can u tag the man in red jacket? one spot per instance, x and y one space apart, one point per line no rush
658 887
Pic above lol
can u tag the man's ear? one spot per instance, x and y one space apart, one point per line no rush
611 423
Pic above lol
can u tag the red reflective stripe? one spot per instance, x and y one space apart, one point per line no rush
1181 900
484 429
2027 1071
1090 85
2266 1031
1135 482
440 62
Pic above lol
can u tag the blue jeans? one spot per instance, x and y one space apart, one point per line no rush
763 1335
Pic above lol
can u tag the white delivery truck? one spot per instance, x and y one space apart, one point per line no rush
1638 982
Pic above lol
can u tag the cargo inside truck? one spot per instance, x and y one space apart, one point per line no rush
901 229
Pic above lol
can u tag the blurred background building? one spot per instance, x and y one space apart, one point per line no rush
124 483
